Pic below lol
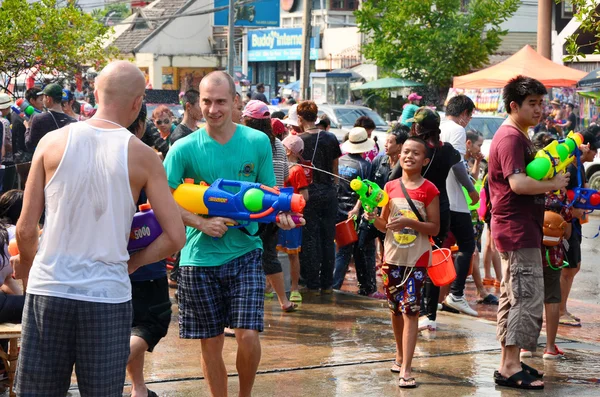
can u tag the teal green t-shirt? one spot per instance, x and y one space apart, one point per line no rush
246 157
408 113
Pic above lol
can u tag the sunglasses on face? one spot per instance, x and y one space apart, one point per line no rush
161 122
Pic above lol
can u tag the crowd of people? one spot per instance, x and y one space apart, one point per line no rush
103 307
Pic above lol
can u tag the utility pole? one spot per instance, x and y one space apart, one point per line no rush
544 30
305 61
230 38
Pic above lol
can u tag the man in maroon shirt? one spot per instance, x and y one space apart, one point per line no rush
517 216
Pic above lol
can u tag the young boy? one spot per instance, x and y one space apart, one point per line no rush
290 240
473 158
517 217
407 248
351 166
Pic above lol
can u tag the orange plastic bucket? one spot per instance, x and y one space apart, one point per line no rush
441 272
345 233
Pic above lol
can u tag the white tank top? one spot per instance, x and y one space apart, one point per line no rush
89 208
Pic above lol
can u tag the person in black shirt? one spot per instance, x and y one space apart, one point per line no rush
571 122
192 114
259 94
574 252
321 151
43 123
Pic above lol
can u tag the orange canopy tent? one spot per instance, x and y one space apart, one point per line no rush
526 62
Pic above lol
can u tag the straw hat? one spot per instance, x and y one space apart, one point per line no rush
555 102
358 141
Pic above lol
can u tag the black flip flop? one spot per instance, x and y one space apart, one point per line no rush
513 381
407 386
291 308
151 393
394 370
488 300
531 371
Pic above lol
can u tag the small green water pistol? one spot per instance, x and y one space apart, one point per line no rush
370 194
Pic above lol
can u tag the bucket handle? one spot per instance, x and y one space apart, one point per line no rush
438 248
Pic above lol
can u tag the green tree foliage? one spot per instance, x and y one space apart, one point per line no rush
432 40
588 13
114 11
54 39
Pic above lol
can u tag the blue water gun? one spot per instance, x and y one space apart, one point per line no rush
251 202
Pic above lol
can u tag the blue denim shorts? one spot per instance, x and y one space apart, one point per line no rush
230 295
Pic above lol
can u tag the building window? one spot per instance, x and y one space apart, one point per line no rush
344 5
567 9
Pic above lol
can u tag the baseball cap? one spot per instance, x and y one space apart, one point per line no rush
278 127
256 110
292 117
426 118
5 101
54 91
414 97
67 95
294 143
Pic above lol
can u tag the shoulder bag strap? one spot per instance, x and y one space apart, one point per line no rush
413 207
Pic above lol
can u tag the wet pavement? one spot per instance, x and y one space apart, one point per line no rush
343 345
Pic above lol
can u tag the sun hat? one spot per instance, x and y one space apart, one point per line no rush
358 141
414 97
294 143
555 102
256 110
5 101
292 117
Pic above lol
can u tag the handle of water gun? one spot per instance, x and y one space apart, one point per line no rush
295 219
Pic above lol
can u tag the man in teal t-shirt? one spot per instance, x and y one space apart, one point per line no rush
221 281
410 108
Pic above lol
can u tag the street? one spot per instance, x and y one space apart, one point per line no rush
342 345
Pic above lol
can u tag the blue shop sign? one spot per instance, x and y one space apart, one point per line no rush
257 13
278 45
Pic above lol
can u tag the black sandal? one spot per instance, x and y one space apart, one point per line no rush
531 371
523 377
488 300
151 393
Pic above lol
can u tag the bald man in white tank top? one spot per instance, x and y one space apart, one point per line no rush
87 177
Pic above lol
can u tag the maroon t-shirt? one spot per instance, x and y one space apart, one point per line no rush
516 219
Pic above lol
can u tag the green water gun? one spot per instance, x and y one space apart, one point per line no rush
370 194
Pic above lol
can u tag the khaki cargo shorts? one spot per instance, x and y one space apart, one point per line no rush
521 298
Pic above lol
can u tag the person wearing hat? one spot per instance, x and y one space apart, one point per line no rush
54 119
410 108
69 105
290 241
557 112
350 167
292 122
256 115
5 134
